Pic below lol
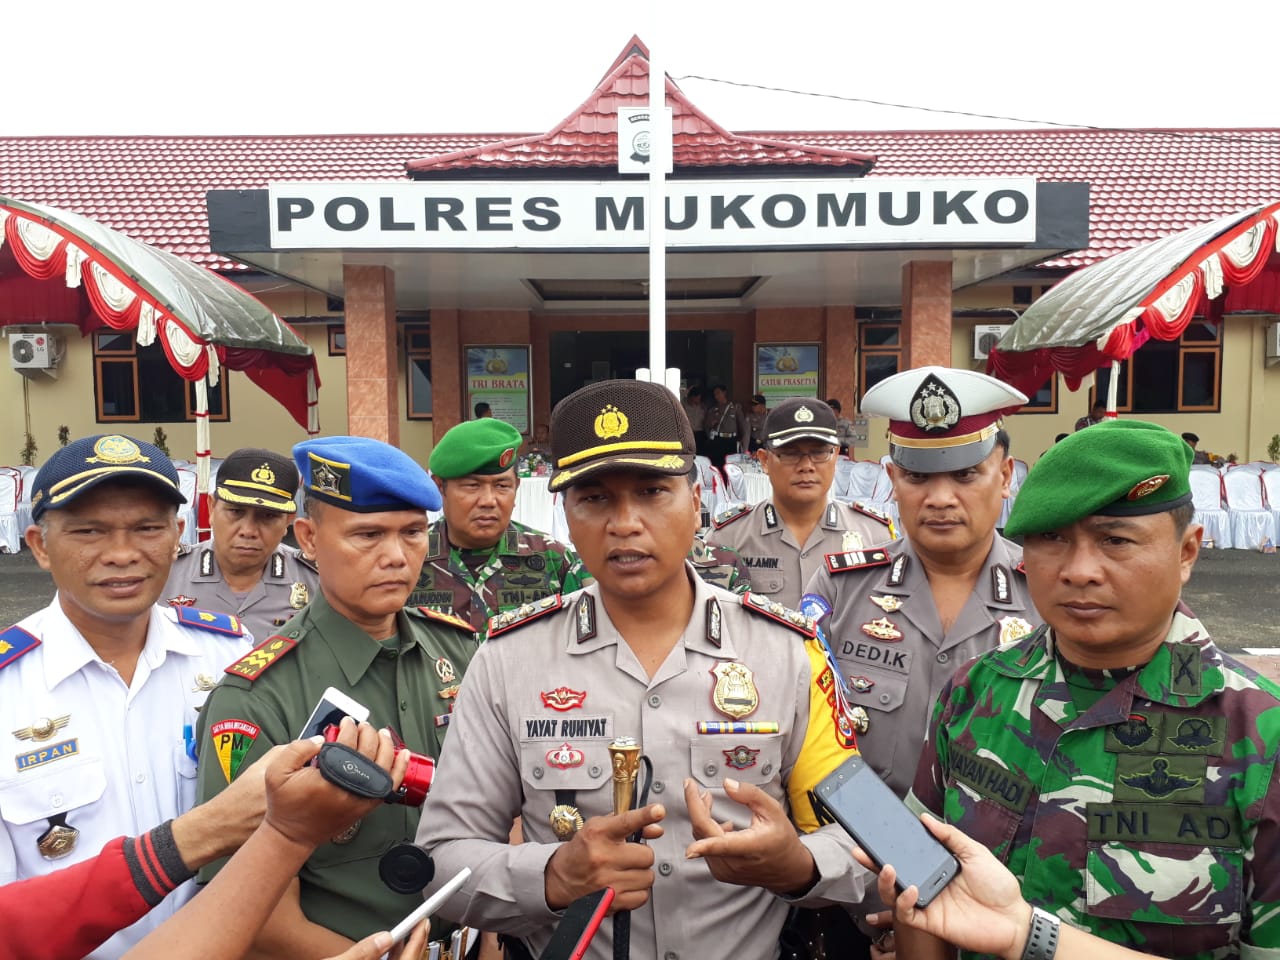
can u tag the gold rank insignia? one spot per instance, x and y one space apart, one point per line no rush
448 693
735 692
1013 629
298 596
850 540
566 820
264 474
204 683
43 729
887 603
882 629
860 719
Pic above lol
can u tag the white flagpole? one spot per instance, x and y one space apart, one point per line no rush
656 209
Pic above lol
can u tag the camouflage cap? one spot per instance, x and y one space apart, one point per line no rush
252 477
1117 468
83 464
484 446
618 425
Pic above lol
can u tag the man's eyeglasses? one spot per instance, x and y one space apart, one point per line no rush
793 457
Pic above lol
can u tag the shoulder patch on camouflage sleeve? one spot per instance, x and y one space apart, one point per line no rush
441 617
254 663
726 517
873 513
848 560
14 643
786 616
208 620
508 620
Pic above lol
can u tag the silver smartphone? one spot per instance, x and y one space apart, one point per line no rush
333 706
871 813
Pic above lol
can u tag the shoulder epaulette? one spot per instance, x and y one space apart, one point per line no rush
208 620
441 617
781 614
873 513
726 517
255 662
508 620
15 642
848 560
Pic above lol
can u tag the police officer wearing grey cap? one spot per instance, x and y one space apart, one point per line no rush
246 569
783 539
900 619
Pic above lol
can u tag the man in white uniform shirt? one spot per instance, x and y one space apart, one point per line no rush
99 690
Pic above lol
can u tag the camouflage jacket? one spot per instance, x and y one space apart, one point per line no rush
525 566
720 566
1151 818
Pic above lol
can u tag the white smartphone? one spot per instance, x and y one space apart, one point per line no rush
430 906
333 706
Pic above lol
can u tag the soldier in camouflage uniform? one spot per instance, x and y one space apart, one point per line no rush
1115 760
479 561
720 566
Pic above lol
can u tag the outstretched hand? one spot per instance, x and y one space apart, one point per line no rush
981 909
599 856
767 853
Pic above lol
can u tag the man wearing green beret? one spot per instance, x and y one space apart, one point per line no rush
479 561
1118 762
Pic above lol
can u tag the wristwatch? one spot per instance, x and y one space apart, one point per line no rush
1042 938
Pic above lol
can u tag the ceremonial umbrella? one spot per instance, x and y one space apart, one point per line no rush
203 321
1104 312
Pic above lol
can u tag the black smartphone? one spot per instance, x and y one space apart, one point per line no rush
857 799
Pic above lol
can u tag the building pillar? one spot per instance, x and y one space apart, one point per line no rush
447 394
840 358
926 313
373 384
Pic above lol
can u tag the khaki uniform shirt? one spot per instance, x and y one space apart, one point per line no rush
884 630
728 421
526 565
267 697
755 430
288 583
780 567
532 729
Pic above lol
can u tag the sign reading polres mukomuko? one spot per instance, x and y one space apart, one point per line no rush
558 215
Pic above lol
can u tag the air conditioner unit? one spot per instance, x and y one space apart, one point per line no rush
33 351
1273 343
985 337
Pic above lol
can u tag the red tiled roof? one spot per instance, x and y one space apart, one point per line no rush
588 137
1145 183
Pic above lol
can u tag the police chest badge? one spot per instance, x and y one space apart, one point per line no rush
740 757
298 596
43 729
566 820
1013 629
735 692
882 629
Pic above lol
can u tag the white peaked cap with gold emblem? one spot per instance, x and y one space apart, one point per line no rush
941 418
619 425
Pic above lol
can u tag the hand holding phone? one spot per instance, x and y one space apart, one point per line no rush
884 827
432 904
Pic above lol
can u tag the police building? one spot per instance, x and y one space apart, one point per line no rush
432 272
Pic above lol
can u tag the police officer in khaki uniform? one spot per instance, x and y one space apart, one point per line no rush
755 423
784 539
480 561
245 569
727 426
366 525
902 618
725 695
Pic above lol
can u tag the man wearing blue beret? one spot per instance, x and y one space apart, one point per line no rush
366 509
1118 762
480 561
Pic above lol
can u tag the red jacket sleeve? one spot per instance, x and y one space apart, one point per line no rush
83 905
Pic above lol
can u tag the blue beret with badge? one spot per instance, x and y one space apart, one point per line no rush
83 464
363 475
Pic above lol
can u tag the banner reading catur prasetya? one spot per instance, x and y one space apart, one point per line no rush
786 370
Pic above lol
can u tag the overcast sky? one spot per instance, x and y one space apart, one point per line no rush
435 66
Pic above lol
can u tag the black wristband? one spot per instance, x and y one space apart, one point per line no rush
353 771
1042 938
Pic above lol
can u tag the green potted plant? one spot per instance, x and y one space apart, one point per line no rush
1273 448
29 449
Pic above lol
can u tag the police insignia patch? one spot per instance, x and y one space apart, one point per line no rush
1013 629
887 603
563 698
231 741
181 600
298 596
565 757
882 629
934 406
740 757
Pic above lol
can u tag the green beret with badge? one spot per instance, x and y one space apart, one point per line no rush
1117 468
485 446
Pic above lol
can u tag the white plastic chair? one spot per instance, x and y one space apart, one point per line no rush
865 475
1252 525
24 499
10 493
713 492
1206 495
735 480
187 484
843 478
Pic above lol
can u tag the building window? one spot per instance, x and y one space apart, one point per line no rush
417 367
879 353
120 366
337 340
1174 376
1044 400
